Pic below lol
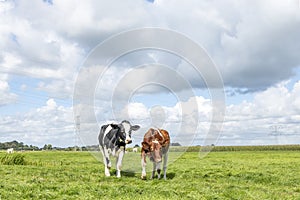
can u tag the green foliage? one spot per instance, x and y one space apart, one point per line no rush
13 159
17 146
47 147
219 175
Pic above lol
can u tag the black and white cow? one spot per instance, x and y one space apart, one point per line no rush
112 141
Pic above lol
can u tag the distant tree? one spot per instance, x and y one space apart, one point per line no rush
17 146
14 144
69 149
20 145
136 146
47 147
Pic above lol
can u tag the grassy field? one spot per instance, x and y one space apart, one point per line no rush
219 175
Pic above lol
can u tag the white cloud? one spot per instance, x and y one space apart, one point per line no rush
272 117
51 40
257 120
6 97
35 51
295 97
254 44
250 122
184 120
49 124
137 111
262 51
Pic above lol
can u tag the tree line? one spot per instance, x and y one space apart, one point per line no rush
20 146
17 146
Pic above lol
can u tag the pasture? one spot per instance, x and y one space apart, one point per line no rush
219 175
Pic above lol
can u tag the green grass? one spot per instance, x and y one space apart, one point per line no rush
13 159
219 175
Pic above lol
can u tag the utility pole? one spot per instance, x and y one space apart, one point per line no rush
77 132
276 129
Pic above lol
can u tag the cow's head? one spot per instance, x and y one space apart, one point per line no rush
153 145
125 129
153 148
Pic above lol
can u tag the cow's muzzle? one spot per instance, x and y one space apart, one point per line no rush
155 157
128 141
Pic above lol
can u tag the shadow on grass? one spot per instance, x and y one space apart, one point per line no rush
128 173
134 174
171 175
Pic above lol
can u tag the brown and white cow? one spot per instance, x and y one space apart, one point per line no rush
155 145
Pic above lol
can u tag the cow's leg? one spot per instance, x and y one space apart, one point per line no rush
143 163
153 170
119 163
158 169
106 161
165 165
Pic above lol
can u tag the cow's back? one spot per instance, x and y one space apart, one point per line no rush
109 135
101 134
148 137
166 141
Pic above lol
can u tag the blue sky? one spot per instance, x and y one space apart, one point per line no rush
254 46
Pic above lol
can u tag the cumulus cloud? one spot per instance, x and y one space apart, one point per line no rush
185 121
251 122
6 97
259 120
32 50
252 51
49 124
262 52
254 45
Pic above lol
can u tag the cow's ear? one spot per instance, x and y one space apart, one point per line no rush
120 126
114 126
135 127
